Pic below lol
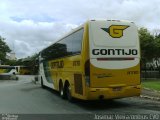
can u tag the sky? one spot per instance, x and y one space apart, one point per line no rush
31 25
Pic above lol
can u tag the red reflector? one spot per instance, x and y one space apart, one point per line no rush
114 59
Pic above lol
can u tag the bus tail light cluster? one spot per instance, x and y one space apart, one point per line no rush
87 80
87 73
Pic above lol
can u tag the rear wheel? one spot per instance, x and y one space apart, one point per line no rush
61 90
42 85
68 93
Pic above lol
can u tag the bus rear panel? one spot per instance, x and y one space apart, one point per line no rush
114 57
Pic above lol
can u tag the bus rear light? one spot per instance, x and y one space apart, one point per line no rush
87 72
87 78
114 59
137 87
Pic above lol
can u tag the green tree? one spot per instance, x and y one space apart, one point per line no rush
148 45
157 41
157 51
30 61
150 48
4 49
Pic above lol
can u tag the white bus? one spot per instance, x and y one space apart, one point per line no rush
8 70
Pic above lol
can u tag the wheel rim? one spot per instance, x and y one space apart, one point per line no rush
41 82
61 91
68 92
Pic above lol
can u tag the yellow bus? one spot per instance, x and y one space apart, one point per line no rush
98 60
24 70
14 70
8 70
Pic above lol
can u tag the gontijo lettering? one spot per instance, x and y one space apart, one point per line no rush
114 52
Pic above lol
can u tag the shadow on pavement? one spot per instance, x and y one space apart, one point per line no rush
94 104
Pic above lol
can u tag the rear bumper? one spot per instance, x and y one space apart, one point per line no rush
109 93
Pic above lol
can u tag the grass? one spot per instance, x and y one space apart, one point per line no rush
154 85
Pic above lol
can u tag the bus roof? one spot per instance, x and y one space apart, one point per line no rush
6 66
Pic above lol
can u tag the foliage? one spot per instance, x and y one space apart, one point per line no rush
10 62
150 48
4 49
30 61
148 44
157 42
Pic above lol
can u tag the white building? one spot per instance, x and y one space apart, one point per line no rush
11 56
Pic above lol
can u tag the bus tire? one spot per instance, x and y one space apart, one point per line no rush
42 85
61 90
68 93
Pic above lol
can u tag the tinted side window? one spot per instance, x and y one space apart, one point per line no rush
70 45
77 41
55 51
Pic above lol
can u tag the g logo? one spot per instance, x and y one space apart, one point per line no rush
115 31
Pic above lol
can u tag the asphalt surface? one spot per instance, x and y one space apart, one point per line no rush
26 97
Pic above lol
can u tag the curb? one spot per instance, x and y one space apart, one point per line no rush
157 98
151 90
149 97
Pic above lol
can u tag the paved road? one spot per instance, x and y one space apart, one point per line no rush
26 97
